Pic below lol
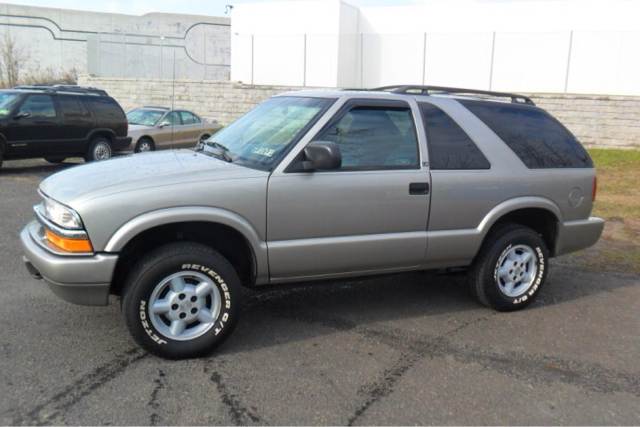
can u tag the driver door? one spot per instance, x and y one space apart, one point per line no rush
365 217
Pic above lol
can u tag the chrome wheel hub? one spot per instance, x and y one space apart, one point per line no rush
517 270
101 152
185 305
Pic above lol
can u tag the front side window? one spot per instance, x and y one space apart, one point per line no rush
373 137
8 102
263 135
538 139
38 106
449 146
144 117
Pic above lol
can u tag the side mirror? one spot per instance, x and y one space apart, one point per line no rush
165 123
21 115
320 155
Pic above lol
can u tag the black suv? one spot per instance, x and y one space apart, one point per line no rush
56 122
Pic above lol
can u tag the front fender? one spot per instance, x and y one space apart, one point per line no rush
194 214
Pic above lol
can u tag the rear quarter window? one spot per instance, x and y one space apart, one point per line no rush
538 139
106 107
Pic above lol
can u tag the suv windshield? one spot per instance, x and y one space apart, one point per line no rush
144 117
7 102
259 138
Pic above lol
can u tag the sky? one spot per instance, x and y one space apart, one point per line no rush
201 7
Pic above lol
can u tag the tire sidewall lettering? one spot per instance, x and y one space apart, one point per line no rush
540 273
219 324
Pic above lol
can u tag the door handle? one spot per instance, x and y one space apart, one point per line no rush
419 188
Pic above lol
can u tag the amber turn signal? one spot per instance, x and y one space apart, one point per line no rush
68 245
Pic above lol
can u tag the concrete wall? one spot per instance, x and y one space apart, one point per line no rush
117 45
534 46
602 121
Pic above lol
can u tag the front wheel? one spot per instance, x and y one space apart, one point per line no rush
181 300
510 268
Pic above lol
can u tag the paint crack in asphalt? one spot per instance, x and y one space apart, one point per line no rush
61 402
240 414
160 384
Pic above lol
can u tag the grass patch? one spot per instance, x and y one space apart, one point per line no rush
618 183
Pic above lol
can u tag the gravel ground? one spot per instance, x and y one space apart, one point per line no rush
402 349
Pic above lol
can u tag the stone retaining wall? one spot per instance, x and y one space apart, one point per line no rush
596 120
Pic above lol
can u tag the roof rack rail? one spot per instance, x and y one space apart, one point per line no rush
424 90
157 107
64 88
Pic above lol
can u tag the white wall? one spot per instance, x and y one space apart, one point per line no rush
579 46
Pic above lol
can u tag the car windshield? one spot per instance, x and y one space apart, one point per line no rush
144 117
7 102
260 137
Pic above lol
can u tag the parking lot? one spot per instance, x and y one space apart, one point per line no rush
402 349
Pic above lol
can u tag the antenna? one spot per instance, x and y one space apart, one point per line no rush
173 94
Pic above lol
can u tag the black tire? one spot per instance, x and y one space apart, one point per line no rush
55 161
142 143
149 280
1 156
99 149
204 137
492 273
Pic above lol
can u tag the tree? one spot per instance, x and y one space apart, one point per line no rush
13 58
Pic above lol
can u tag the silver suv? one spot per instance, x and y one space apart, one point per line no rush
318 185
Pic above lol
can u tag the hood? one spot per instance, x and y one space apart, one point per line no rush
139 171
138 128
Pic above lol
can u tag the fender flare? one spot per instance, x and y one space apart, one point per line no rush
515 204
143 222
92 134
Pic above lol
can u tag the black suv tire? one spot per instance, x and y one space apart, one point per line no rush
181 300
99 149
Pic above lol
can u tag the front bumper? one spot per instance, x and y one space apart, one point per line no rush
578 235
83 280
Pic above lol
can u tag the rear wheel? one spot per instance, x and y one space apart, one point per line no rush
99 149
144 144
181 300
510 268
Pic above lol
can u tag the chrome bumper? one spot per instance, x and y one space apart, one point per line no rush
578 235
83 280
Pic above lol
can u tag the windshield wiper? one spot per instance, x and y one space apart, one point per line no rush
222 149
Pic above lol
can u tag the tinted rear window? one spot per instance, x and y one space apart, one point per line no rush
449 146
105 107
533 134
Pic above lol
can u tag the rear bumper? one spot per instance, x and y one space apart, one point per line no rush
83 280
122 143
577 235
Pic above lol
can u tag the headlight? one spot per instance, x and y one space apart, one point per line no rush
61 215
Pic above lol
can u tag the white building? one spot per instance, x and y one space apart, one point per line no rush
529 46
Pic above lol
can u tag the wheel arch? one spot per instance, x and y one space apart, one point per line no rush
101 132
225 232
540 214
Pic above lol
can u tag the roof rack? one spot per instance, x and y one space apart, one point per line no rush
157 107
65 88
424 90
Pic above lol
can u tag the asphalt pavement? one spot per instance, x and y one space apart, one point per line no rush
402 349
